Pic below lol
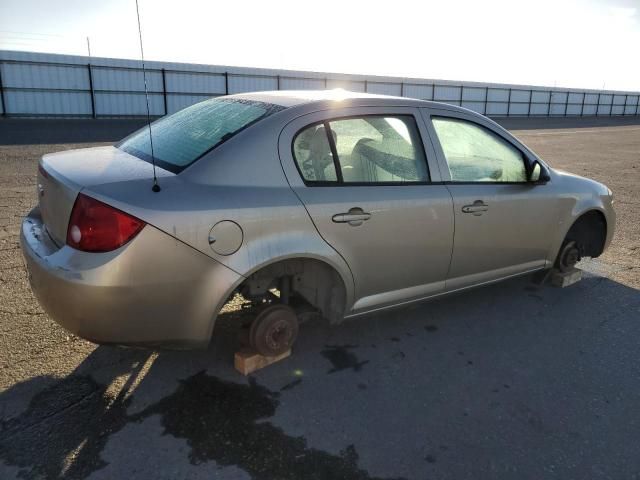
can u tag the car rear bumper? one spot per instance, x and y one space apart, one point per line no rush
155 290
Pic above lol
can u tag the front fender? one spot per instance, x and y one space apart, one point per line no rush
577 196
579 209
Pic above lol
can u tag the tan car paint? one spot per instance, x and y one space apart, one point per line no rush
167 285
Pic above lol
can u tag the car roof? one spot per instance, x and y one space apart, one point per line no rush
319 98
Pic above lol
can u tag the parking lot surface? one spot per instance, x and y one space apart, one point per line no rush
513 380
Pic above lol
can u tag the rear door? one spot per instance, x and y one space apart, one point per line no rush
367 182
503 223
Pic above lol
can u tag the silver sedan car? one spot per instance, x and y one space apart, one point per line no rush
335 202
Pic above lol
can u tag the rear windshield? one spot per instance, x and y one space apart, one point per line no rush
183 137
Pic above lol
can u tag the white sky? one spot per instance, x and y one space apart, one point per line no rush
567 43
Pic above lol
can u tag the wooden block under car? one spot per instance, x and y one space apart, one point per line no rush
564 279
248 360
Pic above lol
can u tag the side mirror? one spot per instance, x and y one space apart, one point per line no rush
539 173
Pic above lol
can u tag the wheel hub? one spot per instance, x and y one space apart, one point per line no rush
274 330
277 335
569 256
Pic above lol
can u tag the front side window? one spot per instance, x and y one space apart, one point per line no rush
475 154
370 149
181 138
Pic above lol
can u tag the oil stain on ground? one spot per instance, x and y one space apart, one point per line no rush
67 425
342 358
226 424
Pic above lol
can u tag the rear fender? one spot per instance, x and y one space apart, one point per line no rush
317 250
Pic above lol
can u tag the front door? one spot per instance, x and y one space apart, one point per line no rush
364 178
503 223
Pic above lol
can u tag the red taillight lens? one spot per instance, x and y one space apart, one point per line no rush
97 227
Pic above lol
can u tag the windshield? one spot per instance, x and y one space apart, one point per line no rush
183 137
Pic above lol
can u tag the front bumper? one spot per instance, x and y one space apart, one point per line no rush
155 290
610 217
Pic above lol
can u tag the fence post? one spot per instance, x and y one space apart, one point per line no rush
461 93
486 99
529 106
278 82
325 83
637 104
598 104
566 104
549 104
509 103
93 98
2 100
624 108
402 89
584 95
365 86
611 106
226 83
164 90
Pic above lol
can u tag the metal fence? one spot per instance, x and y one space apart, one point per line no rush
33 84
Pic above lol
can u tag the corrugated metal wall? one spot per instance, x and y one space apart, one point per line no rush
38 84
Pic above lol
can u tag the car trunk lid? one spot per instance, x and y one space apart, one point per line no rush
62 175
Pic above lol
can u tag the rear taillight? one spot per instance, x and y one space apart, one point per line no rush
97 227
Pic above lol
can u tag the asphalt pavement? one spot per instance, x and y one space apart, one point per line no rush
513 381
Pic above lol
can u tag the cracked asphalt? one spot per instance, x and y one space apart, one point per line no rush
514 380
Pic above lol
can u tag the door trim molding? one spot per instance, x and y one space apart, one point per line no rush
440 294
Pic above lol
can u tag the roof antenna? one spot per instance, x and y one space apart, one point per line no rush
156 187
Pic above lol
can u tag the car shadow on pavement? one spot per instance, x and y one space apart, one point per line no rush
501 381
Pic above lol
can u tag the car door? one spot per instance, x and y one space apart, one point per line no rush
503 222
368 185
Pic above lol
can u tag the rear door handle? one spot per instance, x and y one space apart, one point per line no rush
354 217
477 208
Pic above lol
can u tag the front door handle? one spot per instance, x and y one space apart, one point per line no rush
354 217
477 208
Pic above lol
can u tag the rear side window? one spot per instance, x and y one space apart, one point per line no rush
312 151
183 137
475 154
370 149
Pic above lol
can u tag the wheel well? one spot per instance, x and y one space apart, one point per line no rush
314 280
589 231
